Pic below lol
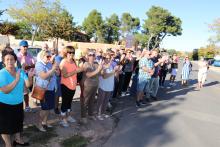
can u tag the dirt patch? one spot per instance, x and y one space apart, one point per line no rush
77 135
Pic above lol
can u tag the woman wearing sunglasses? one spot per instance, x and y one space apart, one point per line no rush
106 86
46 78
186 71
91 82
69 72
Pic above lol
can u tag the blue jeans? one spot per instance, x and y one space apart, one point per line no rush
134 85
152 88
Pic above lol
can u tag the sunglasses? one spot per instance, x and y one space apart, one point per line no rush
106 58
71 52
92 55
48 57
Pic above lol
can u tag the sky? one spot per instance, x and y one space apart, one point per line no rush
196 15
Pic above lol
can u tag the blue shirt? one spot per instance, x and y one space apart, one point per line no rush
16 95
113 64
42 67
144 62
58 59
1 65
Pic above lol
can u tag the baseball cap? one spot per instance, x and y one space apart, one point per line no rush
23 43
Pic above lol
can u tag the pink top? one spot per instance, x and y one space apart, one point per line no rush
28 59
71 81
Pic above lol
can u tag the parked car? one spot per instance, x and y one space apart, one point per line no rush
217 61
211 61
31 50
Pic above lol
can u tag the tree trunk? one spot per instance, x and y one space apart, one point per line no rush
57 39
8 44
156 42
33 36
148 43
163 37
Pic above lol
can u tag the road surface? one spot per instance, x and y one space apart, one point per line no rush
183 117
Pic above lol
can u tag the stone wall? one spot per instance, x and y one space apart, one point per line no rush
81 45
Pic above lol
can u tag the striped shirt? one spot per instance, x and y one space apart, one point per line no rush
144 62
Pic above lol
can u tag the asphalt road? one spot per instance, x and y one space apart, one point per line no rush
183 117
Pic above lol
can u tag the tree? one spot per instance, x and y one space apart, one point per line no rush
171 51
111 29
60 25
141 38
160 23
215 27
33 13
25 31
129 24
93 25
8 28
208 52
195 54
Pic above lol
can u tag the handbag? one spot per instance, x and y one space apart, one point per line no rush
39 92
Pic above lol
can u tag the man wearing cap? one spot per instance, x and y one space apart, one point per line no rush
27 62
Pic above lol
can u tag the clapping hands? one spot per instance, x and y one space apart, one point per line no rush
31 73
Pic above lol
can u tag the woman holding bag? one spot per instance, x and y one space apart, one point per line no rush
46 78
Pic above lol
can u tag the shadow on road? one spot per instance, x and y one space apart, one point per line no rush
150 122
211 83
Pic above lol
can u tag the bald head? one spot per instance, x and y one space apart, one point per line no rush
45 47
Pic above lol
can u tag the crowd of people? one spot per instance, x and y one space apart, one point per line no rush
101 76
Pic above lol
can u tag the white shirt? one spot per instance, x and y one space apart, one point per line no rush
108 83
202 67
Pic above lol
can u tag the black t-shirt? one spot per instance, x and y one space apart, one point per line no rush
164 67
80 74
174 65
156 68
136 67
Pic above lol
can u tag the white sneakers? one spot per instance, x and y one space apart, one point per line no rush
65 123
71 119
105 115
99 117
123 94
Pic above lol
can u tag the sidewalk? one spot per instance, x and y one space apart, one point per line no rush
213 68
95 132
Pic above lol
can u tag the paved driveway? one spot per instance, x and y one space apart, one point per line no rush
184 117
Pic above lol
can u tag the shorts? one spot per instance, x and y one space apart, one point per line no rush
142 84
174 71
49 101
202 77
